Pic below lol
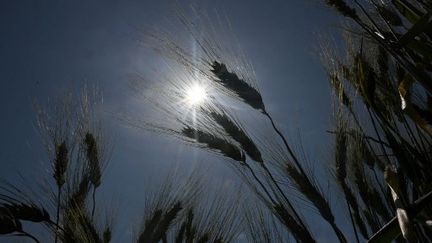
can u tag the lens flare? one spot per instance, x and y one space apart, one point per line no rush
196 95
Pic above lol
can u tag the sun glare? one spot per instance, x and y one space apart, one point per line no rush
196 95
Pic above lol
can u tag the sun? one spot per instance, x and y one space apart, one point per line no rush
196 95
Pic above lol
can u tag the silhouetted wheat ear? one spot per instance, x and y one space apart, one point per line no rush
366 78
156 228
77 198
340 153
106 236
339 90
91 233
238 86
180 233
166 221
79 227
365 152
366 189
60 163
237 134
74 228
8 223
343 8
214 143
300 233
149 226
28 212
190 228
341 143
312 193
93 159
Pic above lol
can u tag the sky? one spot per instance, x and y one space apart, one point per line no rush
49 47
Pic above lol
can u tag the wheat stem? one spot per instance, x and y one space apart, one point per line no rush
94 201
58 213
285 143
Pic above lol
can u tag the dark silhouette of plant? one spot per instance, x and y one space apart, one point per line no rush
382 154
217 129
386 78
387 64
176 212
184 210
63 124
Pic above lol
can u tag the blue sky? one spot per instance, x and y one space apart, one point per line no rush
48 47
